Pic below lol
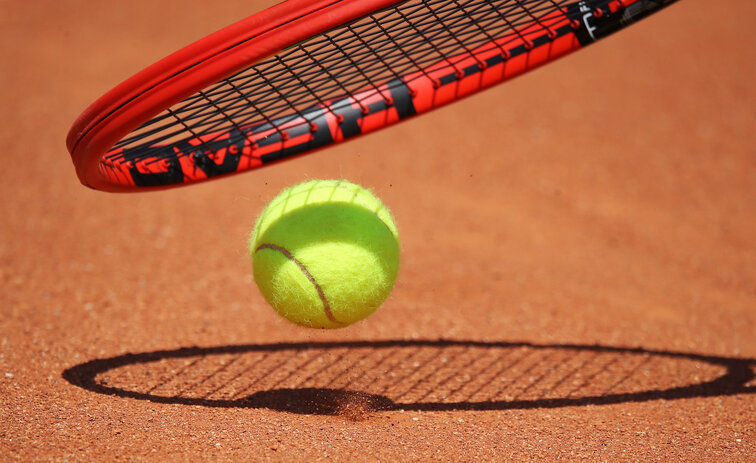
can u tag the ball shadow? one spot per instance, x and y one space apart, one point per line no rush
318 401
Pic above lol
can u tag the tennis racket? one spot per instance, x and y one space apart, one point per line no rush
307 74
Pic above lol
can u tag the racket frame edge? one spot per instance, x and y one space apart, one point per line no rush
195 67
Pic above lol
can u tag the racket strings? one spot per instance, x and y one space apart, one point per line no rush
252 105
536 20
353 61
295 84
387 99
352 52
292 67
305 87
434 47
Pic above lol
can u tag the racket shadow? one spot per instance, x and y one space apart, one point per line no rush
355 378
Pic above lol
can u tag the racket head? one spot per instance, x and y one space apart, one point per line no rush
196 66
530 33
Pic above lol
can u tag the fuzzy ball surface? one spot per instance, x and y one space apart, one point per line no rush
325 253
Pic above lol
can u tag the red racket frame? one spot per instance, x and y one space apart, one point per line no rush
225 52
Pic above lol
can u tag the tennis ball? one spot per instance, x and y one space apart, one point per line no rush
325 253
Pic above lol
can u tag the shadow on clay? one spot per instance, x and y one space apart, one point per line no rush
354 378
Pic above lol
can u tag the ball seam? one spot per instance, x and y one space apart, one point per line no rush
306 273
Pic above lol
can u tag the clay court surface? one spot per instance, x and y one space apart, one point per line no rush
578 274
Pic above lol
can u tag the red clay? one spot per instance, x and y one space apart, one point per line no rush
581 285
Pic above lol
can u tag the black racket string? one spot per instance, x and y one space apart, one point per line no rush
217 125
270 84
227 117
270 95
419 39
307 70
231 146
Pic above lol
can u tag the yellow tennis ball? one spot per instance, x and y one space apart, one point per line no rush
325 253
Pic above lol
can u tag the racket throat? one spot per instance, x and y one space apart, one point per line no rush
599 19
